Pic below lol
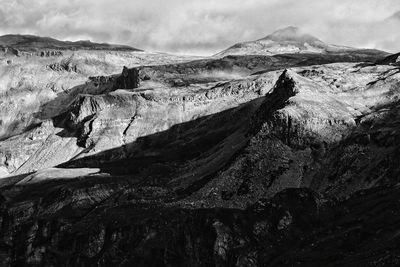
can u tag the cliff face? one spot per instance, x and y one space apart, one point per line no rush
213 162
317 128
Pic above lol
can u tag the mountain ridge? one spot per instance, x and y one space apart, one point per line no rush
28 43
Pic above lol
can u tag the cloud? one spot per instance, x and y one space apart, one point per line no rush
203 26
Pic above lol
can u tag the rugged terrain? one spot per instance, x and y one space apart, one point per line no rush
246 160
56 70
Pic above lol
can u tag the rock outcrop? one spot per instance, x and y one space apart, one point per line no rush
391 60
50 53
129 79
10 51
67 66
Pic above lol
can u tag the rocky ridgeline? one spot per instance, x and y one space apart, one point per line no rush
299 129
256 86
42 53
91 116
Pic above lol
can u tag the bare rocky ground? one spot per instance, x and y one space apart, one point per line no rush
245 160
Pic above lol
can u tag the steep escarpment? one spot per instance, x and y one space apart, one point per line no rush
111 120
303 121
367 158
183 140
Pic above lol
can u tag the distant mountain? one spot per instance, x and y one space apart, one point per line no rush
291 35
33 43
287 41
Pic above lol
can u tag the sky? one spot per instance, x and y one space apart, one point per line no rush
204 27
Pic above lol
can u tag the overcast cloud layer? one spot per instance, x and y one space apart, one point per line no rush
204 26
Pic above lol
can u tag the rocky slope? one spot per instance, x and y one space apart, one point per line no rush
292 40
391 60
183 90
29 82
285 160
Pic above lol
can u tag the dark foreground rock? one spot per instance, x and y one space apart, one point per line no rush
295 228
